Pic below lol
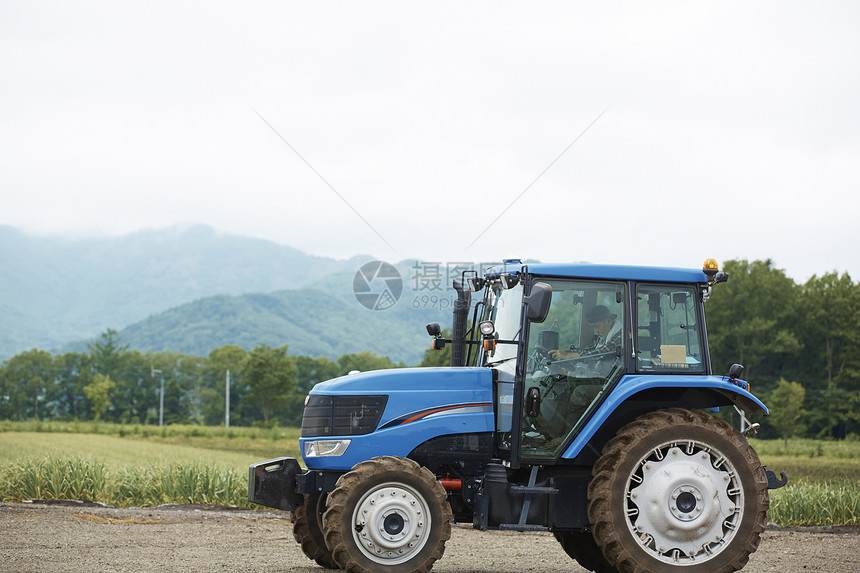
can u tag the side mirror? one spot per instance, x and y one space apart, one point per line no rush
537 302
475 283
509 280
735 371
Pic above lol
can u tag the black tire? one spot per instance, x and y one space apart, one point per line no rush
307 530
582 548
678 490
387 514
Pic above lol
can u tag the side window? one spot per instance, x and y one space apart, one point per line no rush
668 336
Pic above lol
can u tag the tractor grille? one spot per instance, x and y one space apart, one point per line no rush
342 415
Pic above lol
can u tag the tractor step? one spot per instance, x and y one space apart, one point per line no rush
522 527
534 489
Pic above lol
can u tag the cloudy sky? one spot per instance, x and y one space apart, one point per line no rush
443 130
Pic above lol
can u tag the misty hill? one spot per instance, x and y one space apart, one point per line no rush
57 290
324 319
311 321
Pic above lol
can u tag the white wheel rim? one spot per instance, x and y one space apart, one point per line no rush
684 502
391 523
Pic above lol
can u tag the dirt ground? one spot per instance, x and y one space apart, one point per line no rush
74 538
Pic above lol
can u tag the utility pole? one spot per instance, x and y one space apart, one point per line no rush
152 372
227 402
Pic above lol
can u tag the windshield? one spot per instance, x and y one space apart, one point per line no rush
504 308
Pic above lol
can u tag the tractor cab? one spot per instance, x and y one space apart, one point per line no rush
560 350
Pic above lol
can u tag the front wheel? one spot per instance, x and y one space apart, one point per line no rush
387 514
678 490
307 530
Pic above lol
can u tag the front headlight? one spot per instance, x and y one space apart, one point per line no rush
320 448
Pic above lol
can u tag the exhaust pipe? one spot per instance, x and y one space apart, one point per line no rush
461 315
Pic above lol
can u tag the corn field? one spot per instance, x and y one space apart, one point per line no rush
808 504
82 479
800 504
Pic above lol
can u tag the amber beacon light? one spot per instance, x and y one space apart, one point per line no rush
710 267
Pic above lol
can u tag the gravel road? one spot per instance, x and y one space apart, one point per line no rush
72 538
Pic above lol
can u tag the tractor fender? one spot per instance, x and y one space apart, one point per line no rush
721 389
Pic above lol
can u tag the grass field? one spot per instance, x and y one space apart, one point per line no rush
147 465
823 481
135 465
117 452
258 443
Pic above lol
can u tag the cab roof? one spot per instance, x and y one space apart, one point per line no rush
609 272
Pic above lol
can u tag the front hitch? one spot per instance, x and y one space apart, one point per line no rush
273 483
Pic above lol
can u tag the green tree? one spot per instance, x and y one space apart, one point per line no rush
27 385
135 390
226 358
72 371
364 362
830 310
182 376
751 319
229 357
98 393
110 357
829 329
786 405
271 376
107 352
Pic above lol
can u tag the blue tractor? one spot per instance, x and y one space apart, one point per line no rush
579 402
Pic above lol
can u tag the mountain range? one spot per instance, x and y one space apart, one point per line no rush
190 289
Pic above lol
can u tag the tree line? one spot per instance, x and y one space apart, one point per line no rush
799 344
115 384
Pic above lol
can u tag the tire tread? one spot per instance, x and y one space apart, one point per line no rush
349 482
601 495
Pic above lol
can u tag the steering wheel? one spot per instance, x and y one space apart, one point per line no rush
539 358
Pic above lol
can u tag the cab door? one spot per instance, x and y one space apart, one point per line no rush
570 360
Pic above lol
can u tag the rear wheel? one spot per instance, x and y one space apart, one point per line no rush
387 514
307 530
678 490
582 548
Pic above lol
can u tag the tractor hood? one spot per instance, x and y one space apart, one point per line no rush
419 404
417 393
407 380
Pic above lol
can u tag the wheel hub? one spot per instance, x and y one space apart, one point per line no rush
391 523
682 502
686 503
